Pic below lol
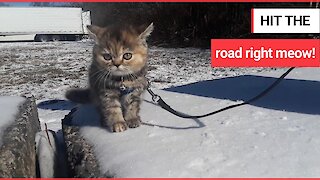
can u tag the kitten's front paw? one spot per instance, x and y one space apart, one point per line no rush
119 127
133 123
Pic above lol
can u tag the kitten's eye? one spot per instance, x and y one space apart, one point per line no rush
127 56
107 56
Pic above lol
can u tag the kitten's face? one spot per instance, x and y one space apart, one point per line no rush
120 51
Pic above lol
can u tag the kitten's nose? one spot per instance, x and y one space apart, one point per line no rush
117 63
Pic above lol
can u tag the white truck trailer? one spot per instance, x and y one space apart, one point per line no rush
42 23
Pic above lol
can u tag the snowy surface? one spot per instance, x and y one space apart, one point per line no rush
46 153
259 140
276 136
9 109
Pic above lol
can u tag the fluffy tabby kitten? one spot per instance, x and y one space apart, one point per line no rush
116 75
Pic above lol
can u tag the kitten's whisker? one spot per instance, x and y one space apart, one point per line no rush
97 79
105 79
100 78
108 76
96 73
131 77
134 76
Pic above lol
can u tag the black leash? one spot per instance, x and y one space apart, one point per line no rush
157 99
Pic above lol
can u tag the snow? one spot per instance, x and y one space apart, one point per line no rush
46 153
248 141
276 136
8 111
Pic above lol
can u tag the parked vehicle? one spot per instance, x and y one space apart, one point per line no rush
43 23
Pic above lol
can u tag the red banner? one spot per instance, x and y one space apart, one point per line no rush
160 1
265 52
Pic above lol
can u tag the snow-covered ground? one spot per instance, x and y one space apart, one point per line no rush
276 136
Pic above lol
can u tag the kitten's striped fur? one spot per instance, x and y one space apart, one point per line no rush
119 59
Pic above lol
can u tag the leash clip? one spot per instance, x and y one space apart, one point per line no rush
155 97
122 86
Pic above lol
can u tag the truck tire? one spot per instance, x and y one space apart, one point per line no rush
56 38
42 38
78 38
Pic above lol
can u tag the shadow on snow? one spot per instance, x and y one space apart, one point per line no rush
292 95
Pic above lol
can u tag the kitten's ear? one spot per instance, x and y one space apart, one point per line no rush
94 32
147 32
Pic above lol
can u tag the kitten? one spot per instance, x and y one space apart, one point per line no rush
116 75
